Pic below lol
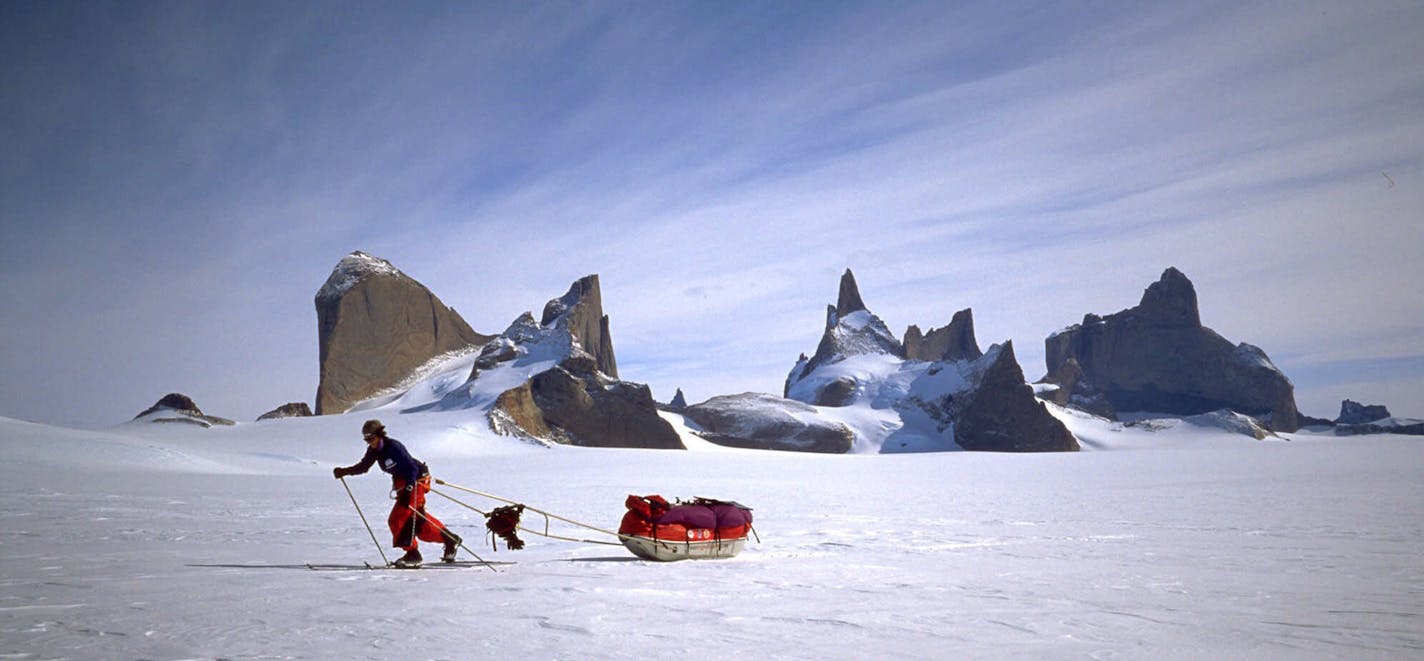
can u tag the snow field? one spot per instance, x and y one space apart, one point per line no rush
1198 544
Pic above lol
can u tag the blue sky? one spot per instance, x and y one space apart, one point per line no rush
178 179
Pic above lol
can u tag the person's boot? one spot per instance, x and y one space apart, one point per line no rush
452 545
410 560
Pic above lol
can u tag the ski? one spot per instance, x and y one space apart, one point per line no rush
462 564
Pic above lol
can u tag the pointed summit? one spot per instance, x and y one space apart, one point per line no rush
376 325
849 299
1171 301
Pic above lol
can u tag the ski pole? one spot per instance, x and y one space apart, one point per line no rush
363 520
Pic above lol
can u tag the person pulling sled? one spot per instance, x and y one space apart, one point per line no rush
410 479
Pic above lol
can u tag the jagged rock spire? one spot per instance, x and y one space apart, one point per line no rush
953 342
849 299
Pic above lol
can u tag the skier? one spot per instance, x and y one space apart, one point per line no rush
410 479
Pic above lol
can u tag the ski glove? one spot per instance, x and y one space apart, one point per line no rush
339 472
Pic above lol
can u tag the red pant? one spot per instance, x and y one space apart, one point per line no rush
406 525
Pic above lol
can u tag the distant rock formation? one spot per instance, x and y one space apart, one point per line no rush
576 402
1355 413
851 330
1071 389
937 391
1158 357
179 408
375 326
953 342
1407 426
1000 413
288 410
678 403
581 312
766 422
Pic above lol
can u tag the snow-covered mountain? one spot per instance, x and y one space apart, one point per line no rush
860 376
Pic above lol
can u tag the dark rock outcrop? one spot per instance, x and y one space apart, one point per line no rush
848 298
1158 357
288 410
375 327
580 401
678 403
953 342
1075 391
179 408
1002 414
574 403
581 312
766 422
1355 413
1407 426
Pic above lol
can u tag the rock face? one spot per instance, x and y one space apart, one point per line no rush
1407 426
288 410
678 403
1158 357
953 342
575 402
1002 415
581 312
1075 391
765 422
934 392
375 326
179 408
1355 413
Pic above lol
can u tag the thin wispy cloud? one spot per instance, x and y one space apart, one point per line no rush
180 178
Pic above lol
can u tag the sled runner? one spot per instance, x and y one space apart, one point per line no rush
654 529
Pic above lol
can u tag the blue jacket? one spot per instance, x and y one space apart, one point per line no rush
393 459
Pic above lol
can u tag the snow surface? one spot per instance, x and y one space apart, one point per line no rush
172 541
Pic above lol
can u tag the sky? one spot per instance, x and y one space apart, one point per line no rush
178 179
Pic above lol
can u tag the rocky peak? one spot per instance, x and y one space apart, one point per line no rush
376 326
1002 415
1355 413
1171 301
580 311
848 300
953 342
288 410
851 330
177 407
351 270
1158 357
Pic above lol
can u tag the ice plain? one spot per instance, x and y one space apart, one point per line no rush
172 541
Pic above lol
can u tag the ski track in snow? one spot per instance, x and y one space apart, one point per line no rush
1206 546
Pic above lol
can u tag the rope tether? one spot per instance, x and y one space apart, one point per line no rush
547 516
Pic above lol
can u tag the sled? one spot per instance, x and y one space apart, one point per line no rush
663 550
654 529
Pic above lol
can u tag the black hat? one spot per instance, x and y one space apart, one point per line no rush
372 427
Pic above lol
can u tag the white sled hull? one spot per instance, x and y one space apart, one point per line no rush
664 550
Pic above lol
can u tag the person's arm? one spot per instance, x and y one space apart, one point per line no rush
367 461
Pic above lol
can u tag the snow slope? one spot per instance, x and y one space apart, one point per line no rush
170 541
